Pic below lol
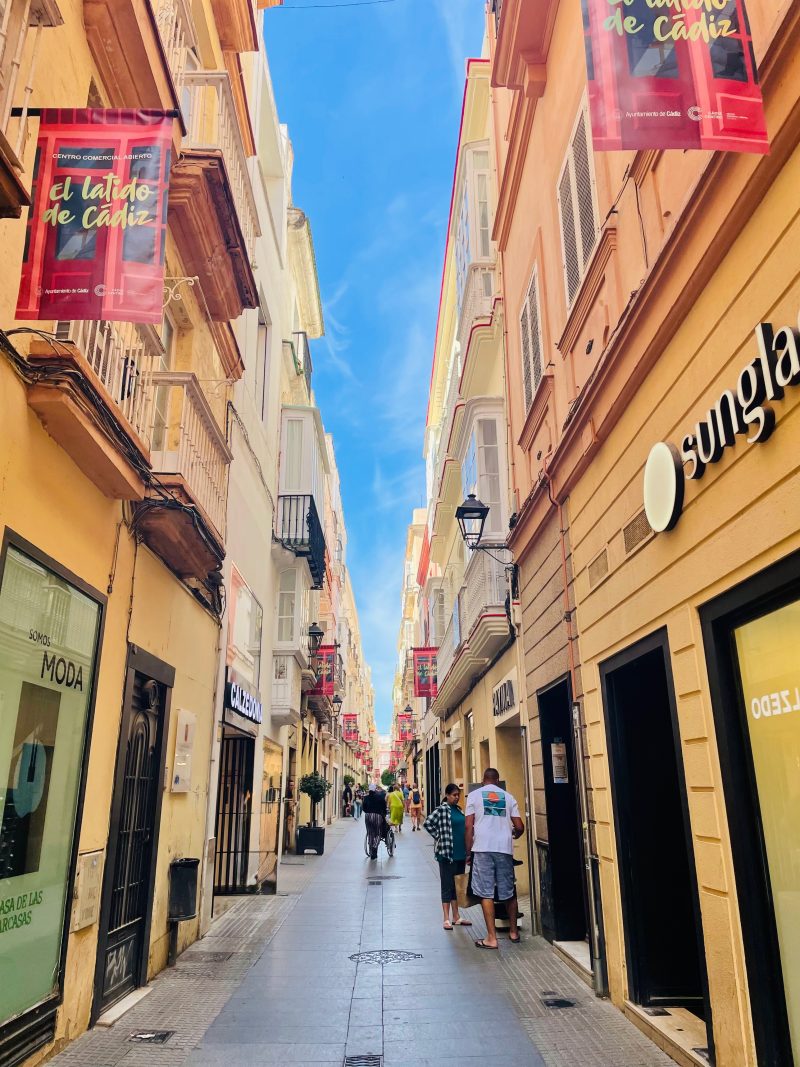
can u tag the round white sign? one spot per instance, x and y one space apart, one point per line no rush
663 486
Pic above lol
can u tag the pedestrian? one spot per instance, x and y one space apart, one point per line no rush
415 807
406 795
397 808
447 826
347 799
358 800
493 823
375 818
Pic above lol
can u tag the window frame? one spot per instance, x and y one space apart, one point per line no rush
530 363
568 166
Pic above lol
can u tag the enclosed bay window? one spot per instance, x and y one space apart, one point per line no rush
287 602
473 241
480 471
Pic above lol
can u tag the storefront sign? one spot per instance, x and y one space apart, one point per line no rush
740 411
238 698
558 754
504 696
96 234
425 680
673 74
48 645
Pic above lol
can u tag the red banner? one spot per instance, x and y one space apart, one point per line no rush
96 236
405 726
350 727
425 683
673 74
326 656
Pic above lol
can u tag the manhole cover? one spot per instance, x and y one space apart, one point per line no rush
363 1061
151 1037
385 955
558 1002
208 957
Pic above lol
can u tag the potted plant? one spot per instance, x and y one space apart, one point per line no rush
312 837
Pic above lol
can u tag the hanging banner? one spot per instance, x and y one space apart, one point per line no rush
405 726
325 673
350 727
673 74
94 246
425 682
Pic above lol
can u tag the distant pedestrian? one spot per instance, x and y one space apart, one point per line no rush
375 817
447 825
347 799
493 823
406 795
358 800
415 807
397 808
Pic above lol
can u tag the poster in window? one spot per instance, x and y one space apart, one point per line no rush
673 75
48 638
558 754
96 231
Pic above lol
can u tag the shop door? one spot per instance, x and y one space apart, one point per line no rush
563 889
660 903
270 813
234 807
133 842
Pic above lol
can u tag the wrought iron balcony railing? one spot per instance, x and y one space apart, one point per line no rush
299 529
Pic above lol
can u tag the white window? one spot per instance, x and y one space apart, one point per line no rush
262 365
439 616
576 202
531 337
480 472
473 240
287 600
293 465
244 630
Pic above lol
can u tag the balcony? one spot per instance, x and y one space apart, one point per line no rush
183 517
106 378
287 687
298 529
477 630
476 303
212 211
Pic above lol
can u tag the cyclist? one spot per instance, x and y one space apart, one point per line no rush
375 812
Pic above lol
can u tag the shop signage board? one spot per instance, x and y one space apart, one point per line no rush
97 228
504 697
672 74
425 680
48 646
241 701
740 411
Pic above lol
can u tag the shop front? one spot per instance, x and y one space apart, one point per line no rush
50 633
686 541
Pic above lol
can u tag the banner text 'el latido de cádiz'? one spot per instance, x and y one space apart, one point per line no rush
96 236
673 74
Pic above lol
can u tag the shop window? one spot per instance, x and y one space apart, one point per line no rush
49 632
531 337
576 202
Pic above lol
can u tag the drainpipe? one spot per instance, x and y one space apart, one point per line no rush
583 790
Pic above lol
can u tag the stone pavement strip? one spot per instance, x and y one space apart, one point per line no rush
274 982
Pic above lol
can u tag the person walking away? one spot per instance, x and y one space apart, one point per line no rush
406 795
397 808
447 826
492 825
415 807
375 818
347 799
358 800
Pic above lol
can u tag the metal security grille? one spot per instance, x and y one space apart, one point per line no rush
124 945
234 805
363 1061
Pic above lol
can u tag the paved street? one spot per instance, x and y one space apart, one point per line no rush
274 983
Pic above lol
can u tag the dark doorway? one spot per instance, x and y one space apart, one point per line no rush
433 775
563 889
133 836
234 808
659 887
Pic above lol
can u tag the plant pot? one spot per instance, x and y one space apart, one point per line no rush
310 839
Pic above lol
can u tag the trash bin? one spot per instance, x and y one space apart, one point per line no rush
183 889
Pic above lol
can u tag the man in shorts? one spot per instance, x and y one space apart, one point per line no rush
415 802
493 824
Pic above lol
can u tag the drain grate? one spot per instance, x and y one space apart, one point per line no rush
558 1002
363 1061
385 955
151 1037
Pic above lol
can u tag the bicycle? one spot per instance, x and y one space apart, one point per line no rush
371 846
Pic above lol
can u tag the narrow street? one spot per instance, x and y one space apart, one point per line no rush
274 982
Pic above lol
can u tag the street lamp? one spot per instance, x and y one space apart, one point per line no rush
337 704
315 635
471 516
408 710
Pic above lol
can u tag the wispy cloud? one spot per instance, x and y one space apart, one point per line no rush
458 19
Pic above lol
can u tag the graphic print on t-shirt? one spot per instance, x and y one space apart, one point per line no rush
494 803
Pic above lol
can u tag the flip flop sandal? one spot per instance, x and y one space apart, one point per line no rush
462 922
515 940
487 948
447 926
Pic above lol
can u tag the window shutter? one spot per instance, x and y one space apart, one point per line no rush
583 189
569 236
526 358
530 329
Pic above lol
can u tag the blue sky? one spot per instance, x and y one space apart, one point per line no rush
372 97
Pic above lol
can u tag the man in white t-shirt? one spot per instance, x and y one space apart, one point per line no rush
493 824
